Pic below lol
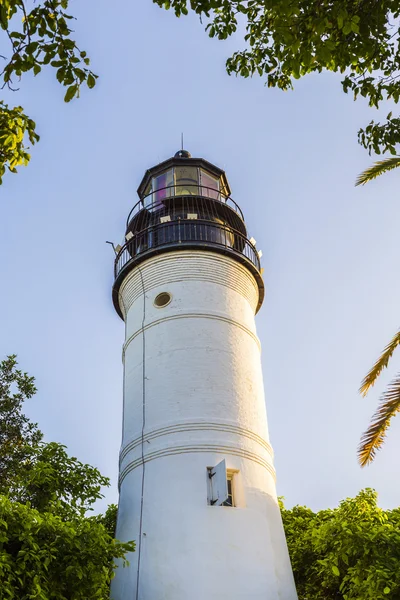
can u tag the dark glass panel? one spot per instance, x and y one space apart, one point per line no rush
162 186
210 186
186 181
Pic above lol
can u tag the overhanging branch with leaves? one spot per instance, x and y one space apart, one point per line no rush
38 37
287 39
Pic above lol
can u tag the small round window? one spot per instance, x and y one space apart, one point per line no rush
162 299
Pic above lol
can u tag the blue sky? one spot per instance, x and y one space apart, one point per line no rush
330 251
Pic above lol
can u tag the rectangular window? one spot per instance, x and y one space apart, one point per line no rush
148 196
221 485
186 181
229 481
209 185
224 192
162 186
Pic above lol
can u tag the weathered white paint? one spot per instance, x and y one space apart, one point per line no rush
204 402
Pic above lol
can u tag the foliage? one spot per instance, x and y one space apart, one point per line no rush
288 39
14 125
377 169
37 37
348 553
373 439
109 519
49 547
45 557
52 481
17 434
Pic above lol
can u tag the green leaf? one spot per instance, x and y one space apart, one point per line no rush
3 17
71 92
335 570
91 81
386 590
347 28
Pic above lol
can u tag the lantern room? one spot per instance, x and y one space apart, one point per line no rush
183 177
185 203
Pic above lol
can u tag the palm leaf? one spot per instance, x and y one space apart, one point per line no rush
378 168
373 439
380 364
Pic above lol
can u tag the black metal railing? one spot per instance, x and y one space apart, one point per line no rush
155 200
186 232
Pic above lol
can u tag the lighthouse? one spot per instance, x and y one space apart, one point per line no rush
196 475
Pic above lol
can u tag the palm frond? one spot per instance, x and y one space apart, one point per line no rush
373 439
380 364
378 168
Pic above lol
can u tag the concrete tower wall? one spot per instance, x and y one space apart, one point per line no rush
200 390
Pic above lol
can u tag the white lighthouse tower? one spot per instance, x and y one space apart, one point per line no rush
197 482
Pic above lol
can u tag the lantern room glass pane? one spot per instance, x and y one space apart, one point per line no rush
162 186
209 186
186 181
148 196
224 192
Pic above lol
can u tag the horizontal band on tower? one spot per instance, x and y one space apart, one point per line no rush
191 316
187 265
195 426
190 449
